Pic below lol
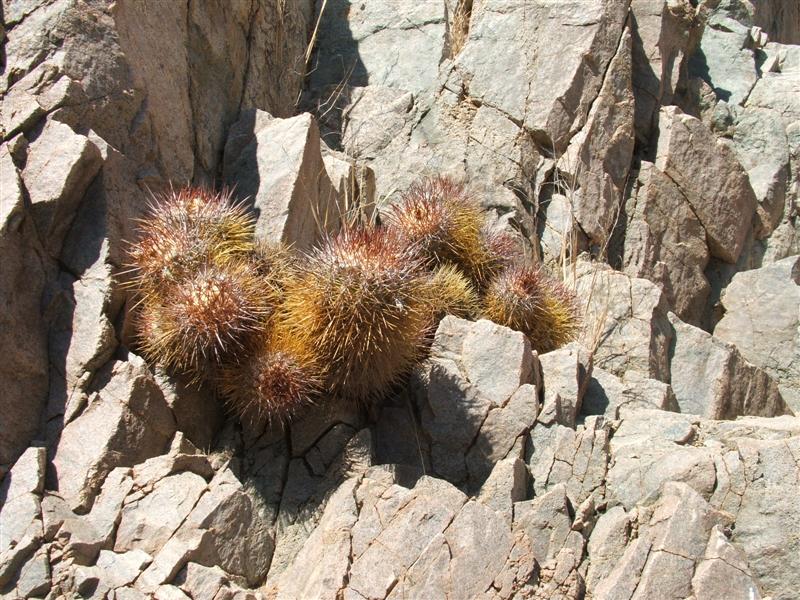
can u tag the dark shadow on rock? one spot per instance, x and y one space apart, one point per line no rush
698 67
335 68
240 170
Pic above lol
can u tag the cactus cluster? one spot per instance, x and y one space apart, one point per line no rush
276 330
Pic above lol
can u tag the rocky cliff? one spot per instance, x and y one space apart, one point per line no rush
648 151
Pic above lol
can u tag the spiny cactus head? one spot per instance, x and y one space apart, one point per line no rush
443 221
274 383
449 292
526 299
358 304
204 317
184 229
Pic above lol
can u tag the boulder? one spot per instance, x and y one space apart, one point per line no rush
23 334
381 43
762 308
509 61
126 422
712 379
625 321
275 165
477 397
59 168
665 243
709 175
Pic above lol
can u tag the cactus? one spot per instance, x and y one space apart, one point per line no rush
184 230
275 382
198 321
526 299
358 303
446 224
449 292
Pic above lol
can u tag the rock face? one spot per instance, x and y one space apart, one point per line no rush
648 151
761 319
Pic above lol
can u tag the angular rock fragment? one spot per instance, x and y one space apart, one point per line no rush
762 312
276 164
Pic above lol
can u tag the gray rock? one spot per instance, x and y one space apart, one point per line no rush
34 577
762 147
507 484
599 157
20 514
147 523
710 378
23 334
547 523
120 569
566 372
198 414
576 459
665 32
674 529
321 567
723 570
60 165
560 234
26 476
710 177
84 536
609 537
238 533
172 557
609 395
514 43
476 399
665 243
126 422
280 172
766 331
639 448
379 43
725 59
626 321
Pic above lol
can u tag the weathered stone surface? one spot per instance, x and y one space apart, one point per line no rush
34 577
762 146
711 178
547 523
23 334
576 459
599 157
663 36
674 529
198 414
84 535
710 378
762 310
476 399
517 43
60 165
20 513
566 372
280 172
626 321
147 523
126 421
725 59
609 395
639 447
507 484
321 567
380 43
665 243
